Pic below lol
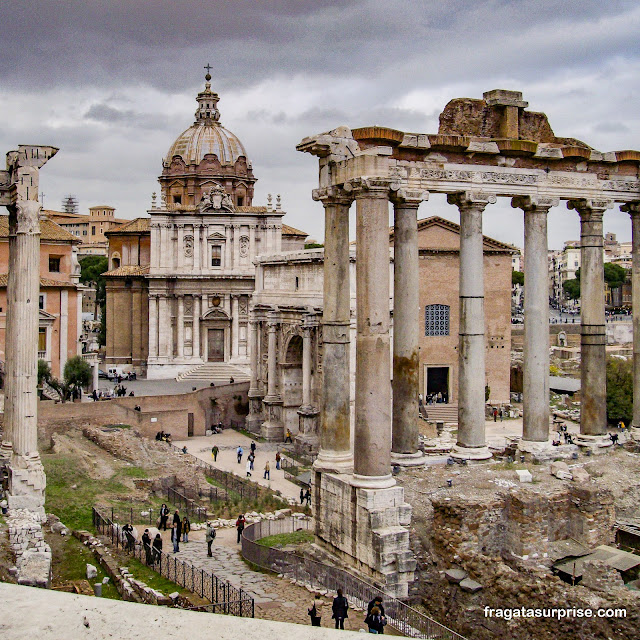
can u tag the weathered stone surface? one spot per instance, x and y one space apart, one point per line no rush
524 475
600 577
470 586
561 470
580 475
455 575
92 572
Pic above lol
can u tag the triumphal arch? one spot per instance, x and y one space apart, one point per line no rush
484 149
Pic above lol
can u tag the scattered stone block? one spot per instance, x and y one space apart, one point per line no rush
455 575
470 586
524 475
92 572
561 470
174 596
580 475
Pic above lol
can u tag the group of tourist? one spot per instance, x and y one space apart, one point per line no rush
163 437
305 495
375 619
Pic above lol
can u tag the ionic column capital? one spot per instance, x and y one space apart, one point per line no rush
408 197
540 204
333 195
371 187
591 207
632 208
471 200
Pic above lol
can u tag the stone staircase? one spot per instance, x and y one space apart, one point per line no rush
442 412
218 372
49 392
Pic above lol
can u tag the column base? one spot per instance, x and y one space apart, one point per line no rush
460 452
416 459
272 429
330 462
597 444
536 448
373 482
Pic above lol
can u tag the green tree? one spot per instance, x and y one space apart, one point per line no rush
614 275
44 372
91 270
619 390
102 332
572 287
313 245
77 374
517 277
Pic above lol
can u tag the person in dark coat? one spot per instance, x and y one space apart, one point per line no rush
157 548
146 545
176 532
128 536
164 515
301 495
375 621
240 522
376 602
339 607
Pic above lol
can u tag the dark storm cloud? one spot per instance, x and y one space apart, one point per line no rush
102 112
93 42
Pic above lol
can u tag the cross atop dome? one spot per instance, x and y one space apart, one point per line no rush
207 101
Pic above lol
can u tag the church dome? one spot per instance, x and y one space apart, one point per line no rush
206 134
207 137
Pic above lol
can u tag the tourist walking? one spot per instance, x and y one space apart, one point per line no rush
251 457
278 458
240 522
315 611
239 451
267 471
210 537
249 466
340 607
157 548
164 515
186 527
301 495
214 452
495 415
128 536
176 531
375 621
307 497
253 448
288 437
146 545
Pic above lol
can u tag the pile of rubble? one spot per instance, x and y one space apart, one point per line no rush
32 553
252 517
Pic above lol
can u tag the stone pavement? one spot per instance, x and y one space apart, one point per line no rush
275 598
228 441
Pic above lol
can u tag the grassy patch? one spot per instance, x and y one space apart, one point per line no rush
150 577
70 559
284 539
116 426
135 472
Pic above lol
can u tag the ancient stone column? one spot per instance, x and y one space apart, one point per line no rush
633 209
195 328
180 246
272 428
535 435
372 438
180 327
308 436
196 248
254 419
26 474
235 326
153 326
165 328
593 378
335 419
471 351
406 327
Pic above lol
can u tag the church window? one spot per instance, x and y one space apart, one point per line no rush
216 255
41 301
93 230
240 201
177 199
436 320
42 342
54 264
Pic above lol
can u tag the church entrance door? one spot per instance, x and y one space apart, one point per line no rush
215 345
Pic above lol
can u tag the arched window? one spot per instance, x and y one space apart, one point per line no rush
436 320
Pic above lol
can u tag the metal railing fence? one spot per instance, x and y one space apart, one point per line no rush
223 596
228 481
405 619
195 512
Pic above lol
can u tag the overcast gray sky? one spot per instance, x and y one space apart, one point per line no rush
113 84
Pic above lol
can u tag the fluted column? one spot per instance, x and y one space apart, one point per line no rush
236 246
235 324
196 248
335 417
633 209
372 438
406 324
535 433
254 419
252 242
306 365
272 330
593 339
180 327
180 247
195 327
26 475
165 329
227 247
471 357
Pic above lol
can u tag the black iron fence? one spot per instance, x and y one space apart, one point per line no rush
195 512
228 481
223 596
405 619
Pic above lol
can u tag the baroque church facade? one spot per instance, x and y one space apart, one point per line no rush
198 277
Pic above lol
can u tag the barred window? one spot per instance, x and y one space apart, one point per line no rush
436 320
